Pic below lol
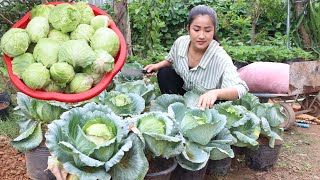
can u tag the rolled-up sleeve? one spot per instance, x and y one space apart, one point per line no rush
171 55
231 78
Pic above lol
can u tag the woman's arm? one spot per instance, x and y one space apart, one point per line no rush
155 67
209 97
232 87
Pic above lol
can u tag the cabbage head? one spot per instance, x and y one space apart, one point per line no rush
100 21
138 87
156 131
83 31
64 17
106 39
36 76
38 28
20 63
103 63
86 12
97 77
78 53
94 143
46 51
80 83
58 35
41 10
53 87
62 72
123 104
15 42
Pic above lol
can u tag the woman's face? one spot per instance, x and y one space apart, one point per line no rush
201 32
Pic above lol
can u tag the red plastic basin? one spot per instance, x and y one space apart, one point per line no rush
71 98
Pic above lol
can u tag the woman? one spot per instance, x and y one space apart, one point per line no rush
197 61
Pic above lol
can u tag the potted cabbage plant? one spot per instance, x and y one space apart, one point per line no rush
200 131
161 142
243 124
35 115
203 132
271 118
91 142
267 152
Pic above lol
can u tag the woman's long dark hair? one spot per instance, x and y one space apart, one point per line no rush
204 10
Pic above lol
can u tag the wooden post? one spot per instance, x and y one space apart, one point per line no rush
298 9
122 21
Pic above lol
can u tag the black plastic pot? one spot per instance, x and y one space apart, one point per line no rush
164 174
4 104
183 174
262 159
37 163
238 151
218 167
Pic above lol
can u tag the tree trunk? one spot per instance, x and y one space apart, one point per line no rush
122 21
254 19
298 9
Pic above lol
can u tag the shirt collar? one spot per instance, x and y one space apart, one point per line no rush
205 58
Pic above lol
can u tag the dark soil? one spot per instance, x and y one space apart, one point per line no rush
159 164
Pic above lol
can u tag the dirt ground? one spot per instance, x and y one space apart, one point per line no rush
299 159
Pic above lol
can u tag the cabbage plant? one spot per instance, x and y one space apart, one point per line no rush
123 104
157 133
272 117
93 143
189 99
34 116
243 124
138 87
198 128
220 145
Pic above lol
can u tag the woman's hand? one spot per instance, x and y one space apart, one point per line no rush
151 69
207 99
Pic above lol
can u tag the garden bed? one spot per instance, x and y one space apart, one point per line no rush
298 159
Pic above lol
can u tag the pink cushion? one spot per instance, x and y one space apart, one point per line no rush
266 77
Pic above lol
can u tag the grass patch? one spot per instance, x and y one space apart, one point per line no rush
9 126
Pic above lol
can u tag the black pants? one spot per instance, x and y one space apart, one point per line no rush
169 81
